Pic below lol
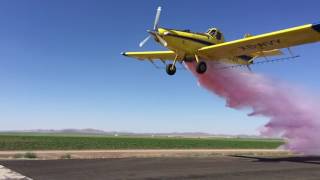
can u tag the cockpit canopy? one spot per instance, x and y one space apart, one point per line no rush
214 32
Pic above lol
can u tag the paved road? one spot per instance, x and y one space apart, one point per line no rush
227 167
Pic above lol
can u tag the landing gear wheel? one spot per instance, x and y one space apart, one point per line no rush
171 69
201 67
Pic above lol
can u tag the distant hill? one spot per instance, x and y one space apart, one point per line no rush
90 131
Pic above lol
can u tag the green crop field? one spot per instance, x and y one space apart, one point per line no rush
82 142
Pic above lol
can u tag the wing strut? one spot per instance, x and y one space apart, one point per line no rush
154 64
290 52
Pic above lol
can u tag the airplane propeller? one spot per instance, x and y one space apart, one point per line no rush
154 31
141 44
161 40
156 21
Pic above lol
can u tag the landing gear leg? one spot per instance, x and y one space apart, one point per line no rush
201 66
171 68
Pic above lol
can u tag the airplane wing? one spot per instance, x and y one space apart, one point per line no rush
151 55
274 52
264 42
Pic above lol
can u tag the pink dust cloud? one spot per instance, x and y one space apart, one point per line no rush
292 115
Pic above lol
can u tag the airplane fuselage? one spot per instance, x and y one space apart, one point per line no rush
186 43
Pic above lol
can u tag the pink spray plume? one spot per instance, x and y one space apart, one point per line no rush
291 115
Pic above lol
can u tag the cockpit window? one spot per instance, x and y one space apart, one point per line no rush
218 35
212 32
215 33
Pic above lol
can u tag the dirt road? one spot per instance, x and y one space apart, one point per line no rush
89 154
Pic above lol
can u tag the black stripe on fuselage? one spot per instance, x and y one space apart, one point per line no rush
188 31
193 39
316 27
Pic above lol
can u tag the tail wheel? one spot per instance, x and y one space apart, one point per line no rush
171 69
201 67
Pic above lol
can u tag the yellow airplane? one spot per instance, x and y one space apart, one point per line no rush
186 46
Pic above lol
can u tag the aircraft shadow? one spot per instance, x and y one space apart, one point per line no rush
295 159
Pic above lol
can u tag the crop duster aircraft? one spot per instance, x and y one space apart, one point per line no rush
187 46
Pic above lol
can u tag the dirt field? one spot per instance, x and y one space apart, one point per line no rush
93 154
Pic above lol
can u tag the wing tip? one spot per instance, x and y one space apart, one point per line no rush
124 53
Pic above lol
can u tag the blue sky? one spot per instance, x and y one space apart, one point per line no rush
60 64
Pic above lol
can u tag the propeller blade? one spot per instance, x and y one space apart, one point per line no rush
162 41
152 33
141 44
156 21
